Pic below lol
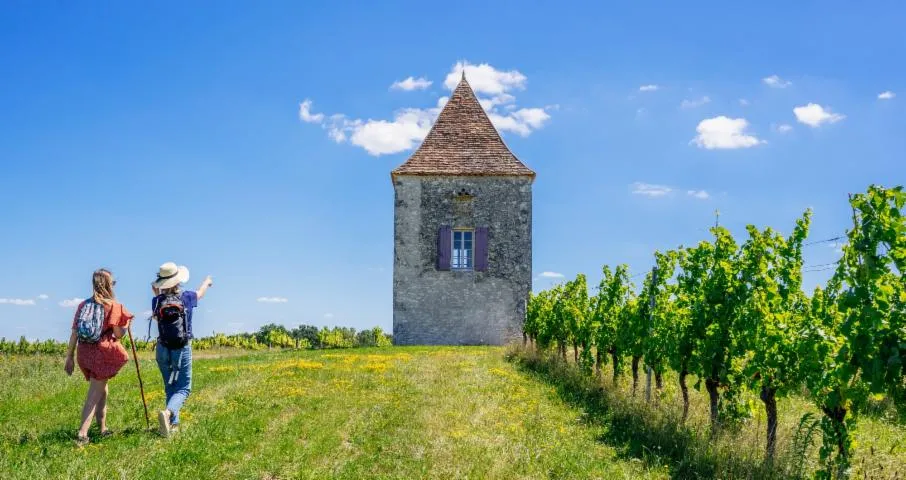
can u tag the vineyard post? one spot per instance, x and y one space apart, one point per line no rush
651 305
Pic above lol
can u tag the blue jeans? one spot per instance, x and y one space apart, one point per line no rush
176 368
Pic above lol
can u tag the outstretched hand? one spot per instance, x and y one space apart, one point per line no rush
204 286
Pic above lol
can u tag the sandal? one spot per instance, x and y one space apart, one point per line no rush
81 441
107 433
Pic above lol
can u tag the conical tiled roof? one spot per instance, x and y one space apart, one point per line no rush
463 142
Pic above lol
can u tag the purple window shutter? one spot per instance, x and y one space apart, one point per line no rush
481 249
444 247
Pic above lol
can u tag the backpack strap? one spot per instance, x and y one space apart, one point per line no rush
155 302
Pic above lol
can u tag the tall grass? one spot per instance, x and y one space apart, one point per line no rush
656 434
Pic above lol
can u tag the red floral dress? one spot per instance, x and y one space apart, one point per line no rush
103 360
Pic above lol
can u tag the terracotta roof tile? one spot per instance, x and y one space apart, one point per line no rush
463 141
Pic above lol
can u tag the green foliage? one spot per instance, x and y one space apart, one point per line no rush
858 345
770 330
614 292
337 337
657 310
372 338
577 308
275 336
736 318
308 333
24 347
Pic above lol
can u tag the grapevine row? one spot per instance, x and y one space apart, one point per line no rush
736 317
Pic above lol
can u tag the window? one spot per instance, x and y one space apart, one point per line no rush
463 250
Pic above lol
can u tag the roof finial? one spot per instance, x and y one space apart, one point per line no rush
463 74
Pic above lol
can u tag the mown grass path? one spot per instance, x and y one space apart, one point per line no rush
372 413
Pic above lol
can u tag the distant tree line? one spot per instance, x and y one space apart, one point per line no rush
309 336
303 337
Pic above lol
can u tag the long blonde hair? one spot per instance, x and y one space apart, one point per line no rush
102 284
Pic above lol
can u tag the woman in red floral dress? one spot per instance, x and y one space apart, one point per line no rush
99 361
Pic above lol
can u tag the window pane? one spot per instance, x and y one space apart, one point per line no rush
463 249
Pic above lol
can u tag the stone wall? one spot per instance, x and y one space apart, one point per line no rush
432 307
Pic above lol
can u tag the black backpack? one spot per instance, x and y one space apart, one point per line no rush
172 328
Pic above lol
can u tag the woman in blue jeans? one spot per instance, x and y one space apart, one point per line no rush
172 308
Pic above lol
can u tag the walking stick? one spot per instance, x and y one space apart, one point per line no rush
139 373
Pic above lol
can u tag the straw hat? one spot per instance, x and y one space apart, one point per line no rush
170 276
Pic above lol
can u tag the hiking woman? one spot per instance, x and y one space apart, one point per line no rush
98 325
172 308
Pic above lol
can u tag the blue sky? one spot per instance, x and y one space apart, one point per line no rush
134 134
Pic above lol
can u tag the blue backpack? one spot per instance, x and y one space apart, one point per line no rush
90 322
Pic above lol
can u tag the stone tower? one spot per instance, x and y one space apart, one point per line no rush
462 260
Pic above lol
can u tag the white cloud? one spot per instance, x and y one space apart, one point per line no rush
306 115
649 88
411 83
533 117
776 82
71 303
485 79
522 121
650 190
380 137
815 115
43 296
272 300
695 103
336 134
888 95
664 191
328 315
409 126
784 128
22 302
551 275
743 102
147 313
502 99
724 133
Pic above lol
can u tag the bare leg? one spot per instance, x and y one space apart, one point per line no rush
100 411
88 409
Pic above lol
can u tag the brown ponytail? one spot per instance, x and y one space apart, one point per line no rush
102 284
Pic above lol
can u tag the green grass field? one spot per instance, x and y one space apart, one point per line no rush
374 413
654 433
397 413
